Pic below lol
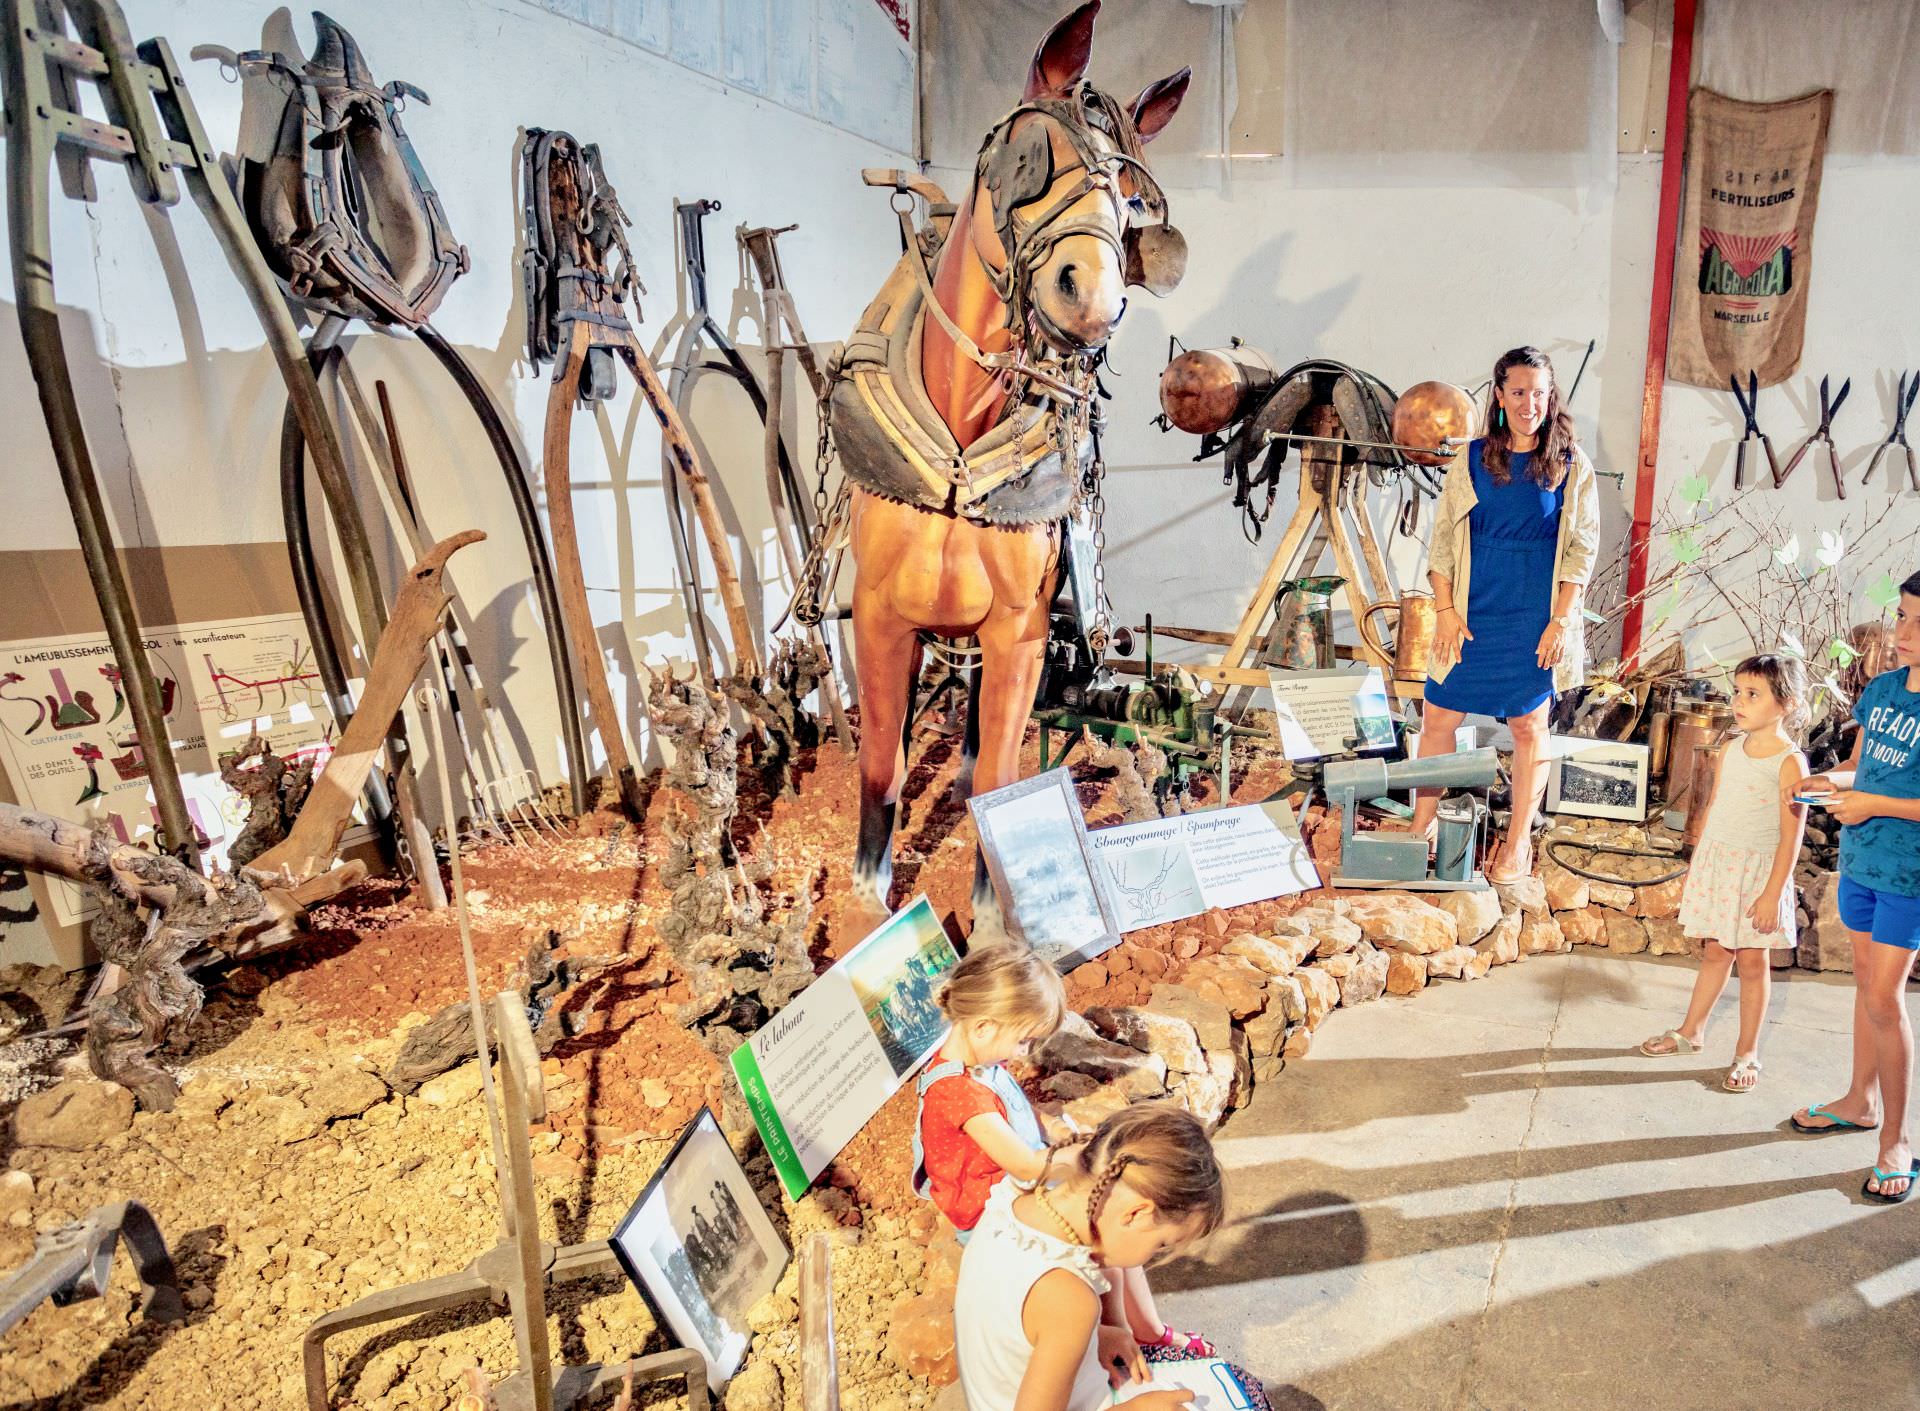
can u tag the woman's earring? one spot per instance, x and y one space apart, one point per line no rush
1500 417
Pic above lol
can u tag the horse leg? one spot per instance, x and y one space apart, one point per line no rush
970 738
888 648
1012 646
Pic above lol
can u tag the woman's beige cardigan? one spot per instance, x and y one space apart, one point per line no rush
1451 554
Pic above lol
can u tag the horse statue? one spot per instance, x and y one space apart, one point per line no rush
963 409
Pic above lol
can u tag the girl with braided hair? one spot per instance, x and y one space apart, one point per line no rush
1028 1325
975 1125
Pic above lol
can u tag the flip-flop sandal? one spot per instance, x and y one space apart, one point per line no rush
1742 1065
1182 1344
1832 1124
1911 1177
1681 1044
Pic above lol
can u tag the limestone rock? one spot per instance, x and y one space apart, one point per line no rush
1211 1022
454 1088
1340 966
1333 934
340 1092
1474 913
920 1338
1543 935
1662 900
1068 1086
1449 964
1823 940
16 1192
1367 981
1229 981
1616 895
1626 935
1264 1034
1088 1112
1407 974
1584 927
1664 937
1208 1095
1528 895
1167 1035
1298 1042
1478 967
1299 944
74 1115
756 1387
1104 1061
1399 921
1322 992
1264 955
1287 998
1503 941
1566 891
1289 927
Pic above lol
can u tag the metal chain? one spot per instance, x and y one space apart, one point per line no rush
1101 633
809 594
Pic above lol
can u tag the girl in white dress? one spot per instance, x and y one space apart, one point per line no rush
1027 1311
1739 889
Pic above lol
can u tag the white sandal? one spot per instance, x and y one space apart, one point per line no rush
1742 1065
1681 1044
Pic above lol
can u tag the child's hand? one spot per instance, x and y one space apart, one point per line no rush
1808 787
1120 1355
1765 912
1850 806
1172 1400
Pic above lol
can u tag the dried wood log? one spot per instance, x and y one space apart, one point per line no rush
314 840
154 911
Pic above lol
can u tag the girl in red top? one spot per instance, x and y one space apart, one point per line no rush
975 1124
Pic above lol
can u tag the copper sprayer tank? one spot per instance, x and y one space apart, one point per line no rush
1205 390
1427 414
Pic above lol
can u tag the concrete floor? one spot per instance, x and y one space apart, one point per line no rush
1480 1199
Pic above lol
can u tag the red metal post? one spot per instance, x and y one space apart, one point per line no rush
1672 166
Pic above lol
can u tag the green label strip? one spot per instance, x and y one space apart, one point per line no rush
786 1161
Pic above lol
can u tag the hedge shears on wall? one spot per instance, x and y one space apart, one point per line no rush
1748 408
1823 433
1902 404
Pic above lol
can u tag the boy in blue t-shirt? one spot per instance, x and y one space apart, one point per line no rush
1876 799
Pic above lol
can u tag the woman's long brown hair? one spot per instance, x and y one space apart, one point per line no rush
1553 456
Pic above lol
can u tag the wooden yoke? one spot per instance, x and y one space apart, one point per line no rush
314 839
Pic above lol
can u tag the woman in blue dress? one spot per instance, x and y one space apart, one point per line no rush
1513 547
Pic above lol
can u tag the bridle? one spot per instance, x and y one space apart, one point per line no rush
1016 166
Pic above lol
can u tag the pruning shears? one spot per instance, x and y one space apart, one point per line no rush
1902 404
1748 408
1823 433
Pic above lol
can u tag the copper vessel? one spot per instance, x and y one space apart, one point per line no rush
1659 737
1696 727
1412 636
1205 390
1429 413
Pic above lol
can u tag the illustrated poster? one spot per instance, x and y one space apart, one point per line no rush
1322 713
68 745
1171 868
821 1067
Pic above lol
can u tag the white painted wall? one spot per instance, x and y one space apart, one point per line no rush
187 450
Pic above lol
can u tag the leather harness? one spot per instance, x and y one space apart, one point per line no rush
342 209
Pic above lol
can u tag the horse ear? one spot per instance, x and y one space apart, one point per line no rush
1061 60
1158 102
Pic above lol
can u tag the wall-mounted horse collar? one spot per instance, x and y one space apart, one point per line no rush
343 209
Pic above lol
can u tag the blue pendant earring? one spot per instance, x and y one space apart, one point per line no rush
1500 418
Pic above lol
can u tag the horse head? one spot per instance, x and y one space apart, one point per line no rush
1064 213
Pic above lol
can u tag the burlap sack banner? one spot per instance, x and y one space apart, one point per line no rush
1746 237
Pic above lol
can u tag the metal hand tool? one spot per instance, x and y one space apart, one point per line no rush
1902 404
1748 408
1823 433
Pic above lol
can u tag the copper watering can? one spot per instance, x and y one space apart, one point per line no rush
1305 609
1412 635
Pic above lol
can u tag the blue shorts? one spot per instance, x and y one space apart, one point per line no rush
1887 917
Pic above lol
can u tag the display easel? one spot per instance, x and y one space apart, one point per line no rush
1331 513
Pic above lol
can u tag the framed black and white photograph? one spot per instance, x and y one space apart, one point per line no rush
700 1248
1598 779
1034 838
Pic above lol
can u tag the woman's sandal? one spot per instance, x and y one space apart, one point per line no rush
1740 1066
1507 876
1911 1177
1681 1044
1834 1123
1184 1344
